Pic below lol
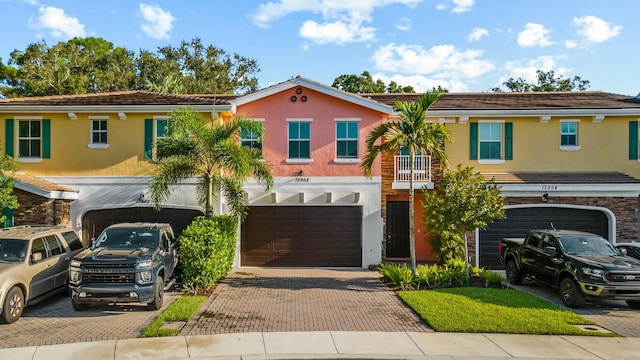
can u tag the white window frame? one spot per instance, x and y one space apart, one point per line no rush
256 140
27 159
298 160
93 145
347 159
491 161
575 147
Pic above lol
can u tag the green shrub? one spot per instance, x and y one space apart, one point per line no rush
398 275
492 277
207 250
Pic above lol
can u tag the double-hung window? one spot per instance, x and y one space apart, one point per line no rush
491 141
153 129
29 139
98 133
299 140
346 140
250 138
569 135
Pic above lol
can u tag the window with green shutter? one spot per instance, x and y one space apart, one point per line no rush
8 137
633 140
491 141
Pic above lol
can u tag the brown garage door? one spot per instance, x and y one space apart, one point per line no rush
302 236
93 222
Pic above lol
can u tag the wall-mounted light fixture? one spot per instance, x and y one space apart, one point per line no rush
545 197
141 199
300 173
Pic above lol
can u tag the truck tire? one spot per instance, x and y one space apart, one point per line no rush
13 305
156 302
571 294
634 304
78 306
514 276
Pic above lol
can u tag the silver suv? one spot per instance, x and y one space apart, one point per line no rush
34 263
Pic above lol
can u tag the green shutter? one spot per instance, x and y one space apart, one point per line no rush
8 220
8 137
473 141
46 138
508 141
633 140
148 138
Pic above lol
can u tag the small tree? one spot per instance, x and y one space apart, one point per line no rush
8 199
462 202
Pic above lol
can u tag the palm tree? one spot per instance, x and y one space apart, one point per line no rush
212 154
411 133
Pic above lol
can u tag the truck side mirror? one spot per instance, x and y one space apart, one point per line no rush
623 251
551 250
36 257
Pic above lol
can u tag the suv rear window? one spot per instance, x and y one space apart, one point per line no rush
72 240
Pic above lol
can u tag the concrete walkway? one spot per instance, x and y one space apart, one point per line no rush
340 345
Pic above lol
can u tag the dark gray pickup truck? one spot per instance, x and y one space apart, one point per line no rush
129 262
583 266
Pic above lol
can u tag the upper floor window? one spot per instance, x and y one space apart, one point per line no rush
569 135
299 140
29 138
491 141
98 133
346 139
250 138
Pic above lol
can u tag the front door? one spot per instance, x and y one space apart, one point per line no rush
397 229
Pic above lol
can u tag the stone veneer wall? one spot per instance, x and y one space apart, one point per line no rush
36 209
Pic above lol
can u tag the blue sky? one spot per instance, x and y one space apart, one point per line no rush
463 45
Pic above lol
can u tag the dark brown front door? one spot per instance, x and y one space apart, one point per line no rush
302 236
397 229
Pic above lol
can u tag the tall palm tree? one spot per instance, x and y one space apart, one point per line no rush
212 154
411 133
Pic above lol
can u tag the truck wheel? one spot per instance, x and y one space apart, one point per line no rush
156 303
514 276
571 294
13 305
78 306
634 304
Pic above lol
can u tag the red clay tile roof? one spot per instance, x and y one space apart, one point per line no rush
116 98
39 183
520 100
561 178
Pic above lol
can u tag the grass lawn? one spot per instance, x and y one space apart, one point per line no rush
486 310
181 310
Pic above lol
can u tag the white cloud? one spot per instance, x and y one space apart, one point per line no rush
403 24
570 44
595 30
348 16
60 24
156 23
461 6
336 32
527 69
442 64
534 35
477 34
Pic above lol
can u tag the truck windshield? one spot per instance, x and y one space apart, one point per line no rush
587 245
12 250
122 238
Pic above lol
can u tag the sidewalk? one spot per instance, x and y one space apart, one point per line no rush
340 345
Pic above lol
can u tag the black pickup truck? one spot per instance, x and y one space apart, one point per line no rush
129 262
583 266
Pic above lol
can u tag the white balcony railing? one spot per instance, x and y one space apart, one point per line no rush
421 169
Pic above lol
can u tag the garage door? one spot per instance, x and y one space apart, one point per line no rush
520 220
302 236
93 222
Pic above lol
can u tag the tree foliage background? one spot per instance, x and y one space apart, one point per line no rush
94 65
546 81
364 84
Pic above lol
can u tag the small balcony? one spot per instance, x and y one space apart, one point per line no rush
421 172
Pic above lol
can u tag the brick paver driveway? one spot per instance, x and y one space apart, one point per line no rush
263 300
54 321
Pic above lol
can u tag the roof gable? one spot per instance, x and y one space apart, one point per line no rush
327 90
